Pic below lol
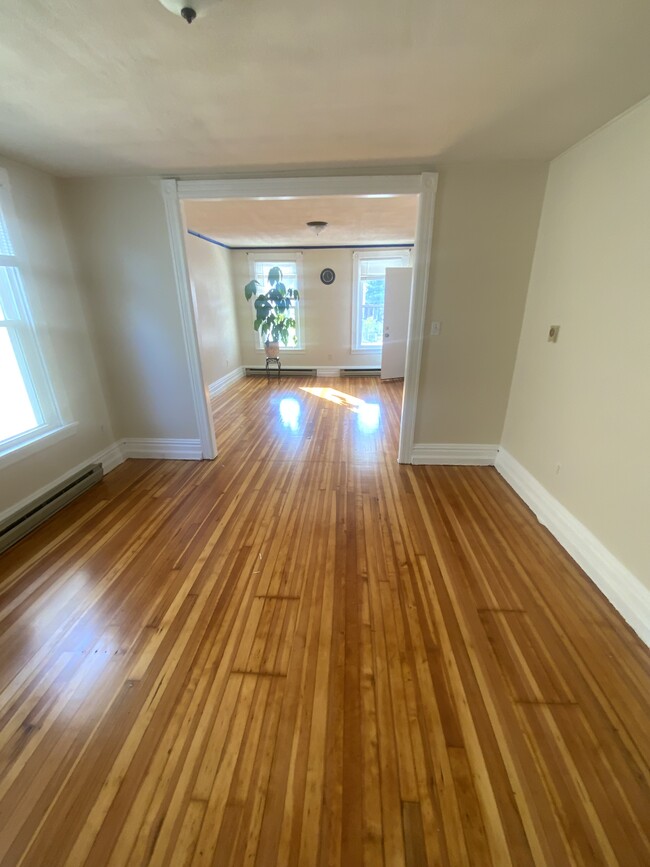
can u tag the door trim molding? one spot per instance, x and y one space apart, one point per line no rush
417 312
260 188
200 394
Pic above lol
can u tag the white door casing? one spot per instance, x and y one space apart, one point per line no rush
424 185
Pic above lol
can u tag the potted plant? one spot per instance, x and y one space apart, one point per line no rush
273 319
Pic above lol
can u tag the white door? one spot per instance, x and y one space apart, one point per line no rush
397 297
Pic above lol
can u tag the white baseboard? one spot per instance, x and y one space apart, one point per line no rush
109 458
623 589
162 449
451 454
223 382
114 455
328 371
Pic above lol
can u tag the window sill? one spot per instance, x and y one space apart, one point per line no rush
367 350
39 441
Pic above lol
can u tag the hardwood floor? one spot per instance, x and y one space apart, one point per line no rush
305 654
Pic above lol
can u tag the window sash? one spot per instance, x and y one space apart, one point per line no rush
291 277
16 321
371 266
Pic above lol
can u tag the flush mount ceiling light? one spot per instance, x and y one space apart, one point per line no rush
188 10
317 226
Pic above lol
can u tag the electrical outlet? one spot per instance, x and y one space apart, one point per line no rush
553 332
435 329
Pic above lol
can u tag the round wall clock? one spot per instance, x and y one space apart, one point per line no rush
327 276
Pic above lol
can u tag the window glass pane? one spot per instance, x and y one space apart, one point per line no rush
372 285
290 280
10 288
17 414
372 310
6 248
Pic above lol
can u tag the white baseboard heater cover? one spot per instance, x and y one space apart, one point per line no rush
313 371
286 371
360 371
22 522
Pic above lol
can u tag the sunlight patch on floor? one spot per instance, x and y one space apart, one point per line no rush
368 414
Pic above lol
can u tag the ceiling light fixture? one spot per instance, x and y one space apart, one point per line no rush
317 226
188 9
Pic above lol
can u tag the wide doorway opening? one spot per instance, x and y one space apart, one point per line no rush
292 283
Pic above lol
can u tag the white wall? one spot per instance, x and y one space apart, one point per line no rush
121 243
584 403
326 313
54 297
213 287
484 236
486 220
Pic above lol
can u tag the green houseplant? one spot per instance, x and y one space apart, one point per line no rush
273 310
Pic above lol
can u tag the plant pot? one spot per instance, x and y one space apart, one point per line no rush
272 349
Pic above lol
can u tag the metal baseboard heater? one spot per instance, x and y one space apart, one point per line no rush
360 371
313 371
286 371
23 521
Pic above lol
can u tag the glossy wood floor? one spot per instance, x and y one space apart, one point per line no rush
305 654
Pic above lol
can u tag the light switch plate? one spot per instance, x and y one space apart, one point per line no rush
435 329
553 332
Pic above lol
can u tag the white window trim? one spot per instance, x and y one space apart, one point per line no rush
388 252
52 427
40 438
280 256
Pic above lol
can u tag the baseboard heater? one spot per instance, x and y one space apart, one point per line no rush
22 522
360 371
286 371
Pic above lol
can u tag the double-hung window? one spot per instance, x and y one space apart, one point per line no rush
368 296
28 409
291 277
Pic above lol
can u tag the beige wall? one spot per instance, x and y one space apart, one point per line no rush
212 284
121 244
584 403
484 237
56 306
326 313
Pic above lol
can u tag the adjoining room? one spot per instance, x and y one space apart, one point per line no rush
339 274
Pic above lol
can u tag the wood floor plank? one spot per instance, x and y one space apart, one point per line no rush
303 653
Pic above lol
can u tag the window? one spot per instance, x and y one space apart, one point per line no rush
368 298
27 404
291 277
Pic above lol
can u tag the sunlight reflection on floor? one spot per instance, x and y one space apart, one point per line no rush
290 413
368 414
